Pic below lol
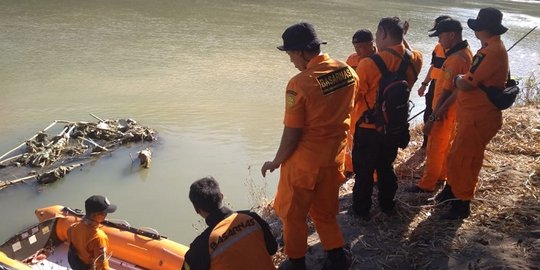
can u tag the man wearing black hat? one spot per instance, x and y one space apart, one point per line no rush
437 59
311 154
364 46
478 120
441 123
88 244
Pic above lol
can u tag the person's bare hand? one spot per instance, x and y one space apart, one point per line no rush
422 90
268 166
405 27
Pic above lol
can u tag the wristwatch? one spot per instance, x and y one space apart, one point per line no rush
454 81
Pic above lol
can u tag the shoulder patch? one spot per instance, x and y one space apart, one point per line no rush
335 80
476 61
447 74
290 98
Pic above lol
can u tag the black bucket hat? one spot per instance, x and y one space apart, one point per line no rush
489 19
438 20
300 36
448 25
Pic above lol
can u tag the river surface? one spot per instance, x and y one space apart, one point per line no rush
205 74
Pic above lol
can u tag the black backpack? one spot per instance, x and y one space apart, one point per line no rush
391 109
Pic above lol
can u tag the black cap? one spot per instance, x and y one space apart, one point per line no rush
448 25
300 36
362 35
98 203
438 20
489 19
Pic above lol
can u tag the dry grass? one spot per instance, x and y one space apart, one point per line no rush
502 232
530 91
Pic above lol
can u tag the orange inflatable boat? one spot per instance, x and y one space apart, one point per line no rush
132 248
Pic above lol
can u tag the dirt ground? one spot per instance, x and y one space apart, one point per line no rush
503 231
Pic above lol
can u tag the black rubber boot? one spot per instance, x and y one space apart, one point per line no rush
293 264
337 260
387 207
458 210
445 195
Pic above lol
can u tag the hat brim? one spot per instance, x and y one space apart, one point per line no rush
307 47
110 209
434 34
475 25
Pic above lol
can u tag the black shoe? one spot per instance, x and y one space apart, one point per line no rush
387 207
415 189
364 215
443 196
459 210
338 259
293 264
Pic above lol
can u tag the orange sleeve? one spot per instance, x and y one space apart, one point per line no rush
483 67
453 66
417 62
98 246
366 71
295 102
350 60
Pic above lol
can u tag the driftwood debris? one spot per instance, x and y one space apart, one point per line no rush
76 141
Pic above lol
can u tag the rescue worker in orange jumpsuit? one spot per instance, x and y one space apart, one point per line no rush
478 120
437 59
372 150
233 240
88 244
364 46
440 126
318 101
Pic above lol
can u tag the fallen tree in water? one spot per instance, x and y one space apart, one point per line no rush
76 144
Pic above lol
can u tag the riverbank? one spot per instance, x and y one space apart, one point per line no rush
502 232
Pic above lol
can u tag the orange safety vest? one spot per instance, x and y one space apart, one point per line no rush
237 242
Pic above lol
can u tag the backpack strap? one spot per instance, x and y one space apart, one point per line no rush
380 64
407 57
384 71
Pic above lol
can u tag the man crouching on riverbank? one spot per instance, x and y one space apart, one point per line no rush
233 240
311 154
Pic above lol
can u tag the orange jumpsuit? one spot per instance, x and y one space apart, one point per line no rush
457 62
88 240
318 100
353 60
478 120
